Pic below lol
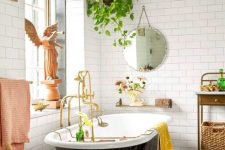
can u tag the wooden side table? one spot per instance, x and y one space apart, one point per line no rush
207 99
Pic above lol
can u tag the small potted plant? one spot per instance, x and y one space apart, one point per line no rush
84 121
133 89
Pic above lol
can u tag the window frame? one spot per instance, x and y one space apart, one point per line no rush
37 67
34 63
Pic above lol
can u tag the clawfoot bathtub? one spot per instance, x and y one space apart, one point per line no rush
123 131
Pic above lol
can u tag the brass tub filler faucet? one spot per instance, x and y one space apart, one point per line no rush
84 95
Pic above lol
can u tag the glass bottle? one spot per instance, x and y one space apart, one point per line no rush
221 81
80 135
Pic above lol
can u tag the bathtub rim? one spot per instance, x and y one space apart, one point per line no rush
50 140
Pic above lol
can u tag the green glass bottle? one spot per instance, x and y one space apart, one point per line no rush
221 81
80 135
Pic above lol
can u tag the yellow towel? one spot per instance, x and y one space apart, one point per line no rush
164 136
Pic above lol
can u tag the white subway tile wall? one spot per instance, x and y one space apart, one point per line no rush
41 126
195 32
12 50
92 50
12 65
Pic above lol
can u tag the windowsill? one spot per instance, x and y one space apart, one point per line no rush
46 112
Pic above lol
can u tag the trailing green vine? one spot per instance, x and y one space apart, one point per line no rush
111 12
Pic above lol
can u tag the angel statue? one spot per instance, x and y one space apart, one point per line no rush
48 41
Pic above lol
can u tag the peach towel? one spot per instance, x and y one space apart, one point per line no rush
14 114
14 147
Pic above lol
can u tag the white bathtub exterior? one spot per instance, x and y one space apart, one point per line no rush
130 125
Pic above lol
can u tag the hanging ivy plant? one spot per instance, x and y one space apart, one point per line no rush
111 12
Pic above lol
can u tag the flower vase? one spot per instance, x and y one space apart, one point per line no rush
135 99
80 135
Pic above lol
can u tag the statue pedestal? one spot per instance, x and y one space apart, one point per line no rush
52 94
54 104
51 89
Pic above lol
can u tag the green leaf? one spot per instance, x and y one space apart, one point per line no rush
104 16
96 28
125 32
134 34
120 41
132 16
108 33
113 19
120 91
120 24
128 42
114 43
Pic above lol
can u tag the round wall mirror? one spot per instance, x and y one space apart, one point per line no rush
148 49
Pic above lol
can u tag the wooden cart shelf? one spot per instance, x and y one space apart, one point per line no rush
207 99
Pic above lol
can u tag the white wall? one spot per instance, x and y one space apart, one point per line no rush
12 48
195 32
41 125
92 50
74 41
83 46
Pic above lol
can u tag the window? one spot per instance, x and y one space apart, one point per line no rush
42 13
35 11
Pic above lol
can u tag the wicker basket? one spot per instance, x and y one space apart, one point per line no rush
213 136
